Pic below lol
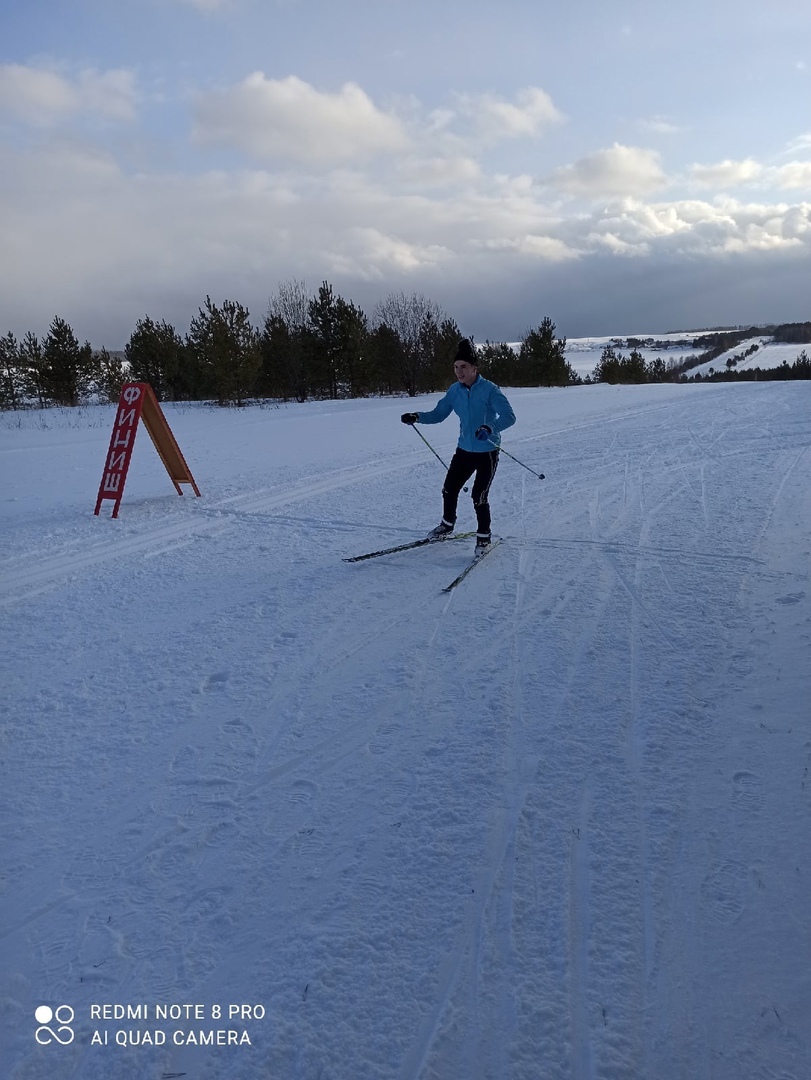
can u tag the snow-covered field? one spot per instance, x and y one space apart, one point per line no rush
555 824
584 353
770 354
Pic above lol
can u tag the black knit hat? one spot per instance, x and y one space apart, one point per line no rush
466 352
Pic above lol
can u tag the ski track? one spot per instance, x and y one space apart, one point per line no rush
17 584
579 936
544 924
462 1050
495 933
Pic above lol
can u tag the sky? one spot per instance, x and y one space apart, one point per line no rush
622 167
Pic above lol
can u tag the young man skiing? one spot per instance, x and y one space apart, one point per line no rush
484 413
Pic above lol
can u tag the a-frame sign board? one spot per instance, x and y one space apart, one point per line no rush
138 402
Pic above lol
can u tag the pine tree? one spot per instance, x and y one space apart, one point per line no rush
324 347
32 363
11 374
386 359
275 347
108 375
353 336
445 345
634 368
657 370
154 354
427 374
613 367
67 366
227 348
802 366
499 363
542 360
284 344
609 366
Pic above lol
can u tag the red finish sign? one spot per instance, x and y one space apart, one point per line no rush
138 402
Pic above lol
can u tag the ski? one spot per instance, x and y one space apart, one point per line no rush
413 544
473 563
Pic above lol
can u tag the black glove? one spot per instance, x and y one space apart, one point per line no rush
484 433
410 417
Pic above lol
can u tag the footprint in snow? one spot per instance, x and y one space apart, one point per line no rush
303 791
382 740
398 794
791 598
216 681
722 891
747 791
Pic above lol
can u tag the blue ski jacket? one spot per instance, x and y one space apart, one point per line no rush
481 403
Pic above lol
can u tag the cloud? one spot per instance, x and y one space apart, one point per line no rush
618 171
494 119
796 174
288 119
438 171
660 126
800 145
548 249
44 96
793 176
375 255
726 173
695 228
100 246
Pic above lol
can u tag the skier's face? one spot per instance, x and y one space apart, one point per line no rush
465 373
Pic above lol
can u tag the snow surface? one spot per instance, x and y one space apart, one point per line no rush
555 824
584 353
770 354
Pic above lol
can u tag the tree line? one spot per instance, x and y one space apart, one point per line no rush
56 370
312 347
307 347
785 372
616 367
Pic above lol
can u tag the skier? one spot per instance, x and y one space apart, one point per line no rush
483 413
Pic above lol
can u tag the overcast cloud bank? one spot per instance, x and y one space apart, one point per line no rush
124 194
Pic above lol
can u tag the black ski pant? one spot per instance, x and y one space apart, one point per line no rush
463 465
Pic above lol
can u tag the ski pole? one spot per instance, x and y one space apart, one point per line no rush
436 455
539 476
